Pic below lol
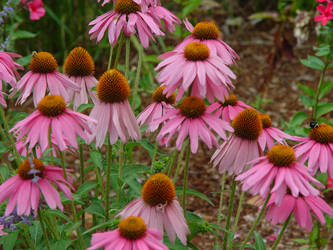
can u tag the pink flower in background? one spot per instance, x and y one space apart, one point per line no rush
235 154
301 207
317 149
330 183
52 115
36 8
194 68
229 108
159 208
33 178
112 110
159 13
192 119
2 98
8 68
131 234
279 167
208 33
156 110
326 12
43 75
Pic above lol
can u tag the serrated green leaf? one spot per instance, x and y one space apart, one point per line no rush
22 34
60 244
193 192
324 109
96 208
86 187
104 224
307 90
10 240
298 118
325 88
313 62
306 101
97 159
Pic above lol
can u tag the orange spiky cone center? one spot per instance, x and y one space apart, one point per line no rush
205 31
192 107
126 7
25 168
322 134
43 62
247 124
231 101
79 63
158 96
132 228
196 51
281 155
265 120
52 105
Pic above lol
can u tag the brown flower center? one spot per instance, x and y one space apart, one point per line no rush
113 87
247 124
79 63
126 7
43 62
231 101
205 31
28 171
322 134
52 105
158 96
196 51
132 228
281 155
158 189
192 107
265 120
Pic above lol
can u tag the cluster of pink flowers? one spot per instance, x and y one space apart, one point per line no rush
35 7
325 12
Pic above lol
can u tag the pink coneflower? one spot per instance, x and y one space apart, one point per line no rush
156 110
130 18
112 110
301 207
242 146
280 167
208 33
141 2
229 108
43 75
2 98
52 116
131 234
8 68
317 149
270 134
159 208
196 68
192 119
23 189
36 9
158 13
326 13
80 67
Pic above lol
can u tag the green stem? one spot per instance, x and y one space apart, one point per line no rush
137 77
230 208
262 210
108 176
172 162
239 209
120 168
51 149
281 233
120 45
62 158
82 178
40 217
154 156
78 230
219 212
318 243
127 55
28 237
179 162
110 57
187 160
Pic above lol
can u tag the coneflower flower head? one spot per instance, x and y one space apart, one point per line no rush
43 75
159 208
80 68
242 146
280 167
8 67
132 234
161 103
112 110
317 149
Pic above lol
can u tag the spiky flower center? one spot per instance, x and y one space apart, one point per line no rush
79 63
205 31
113 87
247 124
158 96
158 189
281 155
196 51
132 228
231 101
265 120
126 7
322 134
52 105
43 62
192 107
31 168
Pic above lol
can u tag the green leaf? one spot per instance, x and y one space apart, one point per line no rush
190 6
72 226
22 34
60 244
24 60
298 118
10 240
57 19
307 90
325 88
104 224
313 62
259 243
86 187
324 109
96 158
96 208
83 107
306 101
59 214
193 192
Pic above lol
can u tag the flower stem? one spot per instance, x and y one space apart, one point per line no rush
230 208
62 158
120 168
108 176
179 162
172 162
137 77
28 237
120 45
78 230
40 217
281 233
110 57
154 156
187 160
127 55
262 210
219 212
82 177
51 149
239 209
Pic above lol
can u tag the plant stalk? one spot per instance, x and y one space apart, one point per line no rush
285 224
187 160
